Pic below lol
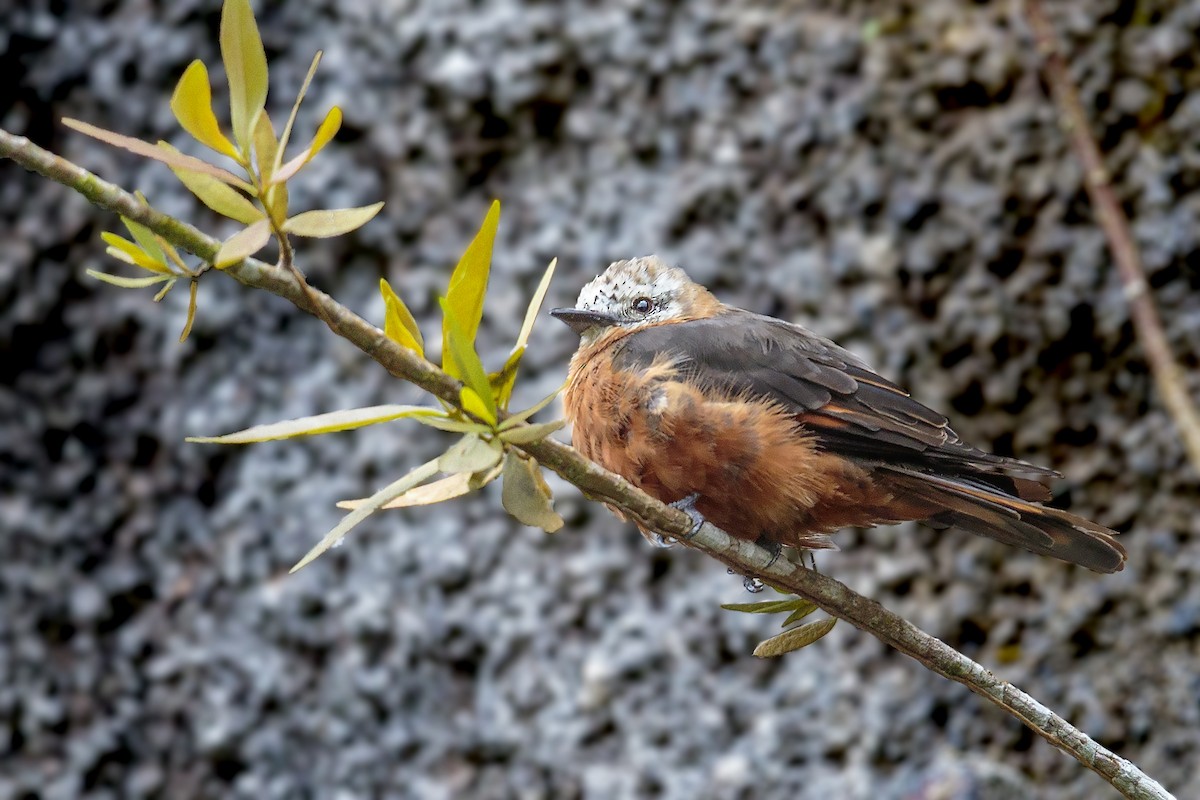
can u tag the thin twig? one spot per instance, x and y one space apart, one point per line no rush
1098 183
744 557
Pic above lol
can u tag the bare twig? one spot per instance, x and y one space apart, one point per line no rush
1098 183
744 557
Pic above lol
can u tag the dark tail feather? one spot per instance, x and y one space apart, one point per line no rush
1046 531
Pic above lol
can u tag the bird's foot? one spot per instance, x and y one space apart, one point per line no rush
658 540
688 506
771 546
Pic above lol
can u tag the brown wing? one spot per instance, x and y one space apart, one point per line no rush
858 415
849 408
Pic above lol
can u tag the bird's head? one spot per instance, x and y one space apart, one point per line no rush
634 294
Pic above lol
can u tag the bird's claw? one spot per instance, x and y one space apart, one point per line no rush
688 506
771 546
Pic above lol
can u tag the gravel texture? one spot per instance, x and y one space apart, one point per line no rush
890 175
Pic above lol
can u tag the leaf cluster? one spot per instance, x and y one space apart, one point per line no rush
257 198
484 450
794 638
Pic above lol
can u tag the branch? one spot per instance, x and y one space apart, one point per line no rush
1098 184
744 557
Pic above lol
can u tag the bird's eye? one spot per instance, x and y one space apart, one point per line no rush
643 305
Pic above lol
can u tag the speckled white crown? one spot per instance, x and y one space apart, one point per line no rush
624 281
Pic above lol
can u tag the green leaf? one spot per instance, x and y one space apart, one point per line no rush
507 378
502 382
166 288
191 313
287 129
468 284
480 479
794 639
369 507
521 416
124 250
527 434
766 606
266 147
525 494
331 221
192 104
535 305
463 362
430 493
325 133
145 239
473 403
800 612
399 324
218 196
470 454
243 244
148 150
245 67
321 423
444 423
128 283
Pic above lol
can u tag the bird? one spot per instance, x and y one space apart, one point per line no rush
779 436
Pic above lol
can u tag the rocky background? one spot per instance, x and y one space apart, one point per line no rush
890 175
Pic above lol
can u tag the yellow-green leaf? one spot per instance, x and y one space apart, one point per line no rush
321 423
191 313
245 67
325 133
166 288
474 403
369 507
767 606
794 639
444 423
521 416
287 129
277 202
527 434
222 199
469 281
266 150
331 221
463 362
145 239
151 151
470 454
218 196
124 250
128 283
480 479
525 494
398 323
504 381
444 489
173 257
266 147
802 610
192 104
243 244
535 305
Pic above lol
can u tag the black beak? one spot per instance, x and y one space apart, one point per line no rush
580 319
